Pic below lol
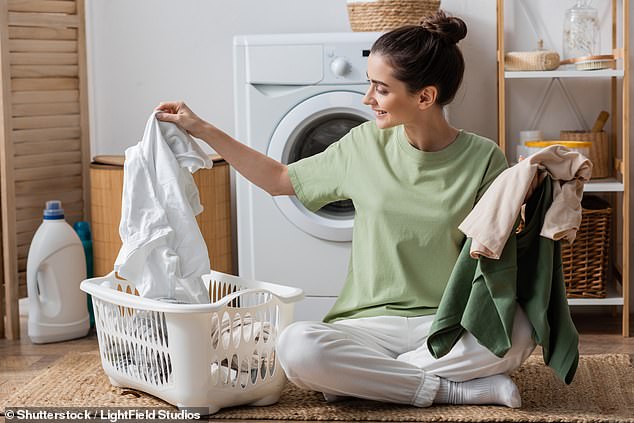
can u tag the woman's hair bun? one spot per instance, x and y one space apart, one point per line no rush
449 28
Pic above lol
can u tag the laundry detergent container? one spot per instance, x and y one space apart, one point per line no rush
212 356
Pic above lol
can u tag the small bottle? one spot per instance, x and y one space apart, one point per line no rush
83 231
56 265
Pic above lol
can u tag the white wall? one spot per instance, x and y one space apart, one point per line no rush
143 51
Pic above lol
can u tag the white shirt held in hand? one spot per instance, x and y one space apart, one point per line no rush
163 251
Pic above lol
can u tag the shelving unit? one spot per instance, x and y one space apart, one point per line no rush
618 294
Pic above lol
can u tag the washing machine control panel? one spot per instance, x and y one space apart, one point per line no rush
340 66
345 63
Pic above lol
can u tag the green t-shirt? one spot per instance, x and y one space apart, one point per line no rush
408 206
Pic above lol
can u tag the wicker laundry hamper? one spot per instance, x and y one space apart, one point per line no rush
585 261
385 15
106 189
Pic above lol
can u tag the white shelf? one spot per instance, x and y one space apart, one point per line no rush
603 73
613 298
603 185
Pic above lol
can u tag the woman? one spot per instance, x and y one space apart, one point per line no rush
413 178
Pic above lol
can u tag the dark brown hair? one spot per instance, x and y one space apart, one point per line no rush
426 54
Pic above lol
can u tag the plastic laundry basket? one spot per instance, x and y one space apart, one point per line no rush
195 355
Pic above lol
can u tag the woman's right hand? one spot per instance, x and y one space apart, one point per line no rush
178 113
268 174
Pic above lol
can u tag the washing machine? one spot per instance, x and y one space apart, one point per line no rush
295 94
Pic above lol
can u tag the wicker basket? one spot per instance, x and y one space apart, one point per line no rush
599 150
538 60
585 261
385 15
106 187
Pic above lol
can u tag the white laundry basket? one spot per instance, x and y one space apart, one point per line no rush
195 355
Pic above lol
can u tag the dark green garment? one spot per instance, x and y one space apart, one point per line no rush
481 295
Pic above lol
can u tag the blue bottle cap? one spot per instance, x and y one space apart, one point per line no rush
83 230
53 210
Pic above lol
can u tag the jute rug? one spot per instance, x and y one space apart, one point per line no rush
603 390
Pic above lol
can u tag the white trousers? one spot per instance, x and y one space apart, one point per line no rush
386 358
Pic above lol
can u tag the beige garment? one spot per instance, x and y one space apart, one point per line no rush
491 221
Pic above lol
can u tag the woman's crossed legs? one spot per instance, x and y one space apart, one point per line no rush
386 359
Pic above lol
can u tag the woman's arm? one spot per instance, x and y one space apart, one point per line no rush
263 171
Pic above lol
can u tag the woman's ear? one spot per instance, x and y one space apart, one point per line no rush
427 97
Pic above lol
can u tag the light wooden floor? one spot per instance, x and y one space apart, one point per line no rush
21 360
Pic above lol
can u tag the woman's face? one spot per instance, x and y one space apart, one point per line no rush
392 103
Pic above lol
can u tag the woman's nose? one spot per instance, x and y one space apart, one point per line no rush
367 98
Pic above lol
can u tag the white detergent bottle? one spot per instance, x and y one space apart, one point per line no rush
55 267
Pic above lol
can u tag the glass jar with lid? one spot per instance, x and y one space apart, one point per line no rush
581 35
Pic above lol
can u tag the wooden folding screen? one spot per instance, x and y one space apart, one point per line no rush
44 147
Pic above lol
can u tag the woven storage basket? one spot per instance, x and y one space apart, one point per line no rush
599 150
539 60
106 187
585 261
385 15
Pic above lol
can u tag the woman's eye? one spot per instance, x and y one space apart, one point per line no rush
380 91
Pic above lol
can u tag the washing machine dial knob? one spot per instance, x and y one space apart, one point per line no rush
340 66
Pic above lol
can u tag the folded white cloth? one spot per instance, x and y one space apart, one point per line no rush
491 221
163 252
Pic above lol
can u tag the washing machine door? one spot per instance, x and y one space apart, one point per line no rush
309 128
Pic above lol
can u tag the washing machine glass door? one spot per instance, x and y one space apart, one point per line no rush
309 128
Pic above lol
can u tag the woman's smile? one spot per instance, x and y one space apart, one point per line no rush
379 113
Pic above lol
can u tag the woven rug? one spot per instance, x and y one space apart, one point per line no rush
603 390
